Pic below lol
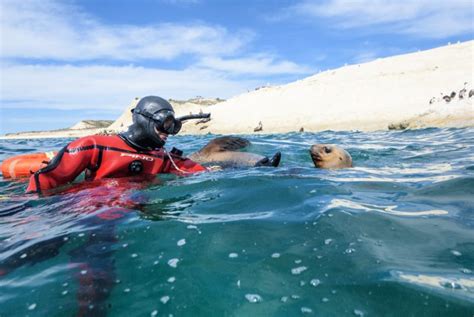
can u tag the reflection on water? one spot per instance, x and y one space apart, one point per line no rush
392 236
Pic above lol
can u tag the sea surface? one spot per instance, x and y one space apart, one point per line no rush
393 236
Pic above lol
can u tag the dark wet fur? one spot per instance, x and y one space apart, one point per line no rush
274 161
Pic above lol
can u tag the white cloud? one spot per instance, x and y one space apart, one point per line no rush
254 65
423 18
51 30
57 35
109 87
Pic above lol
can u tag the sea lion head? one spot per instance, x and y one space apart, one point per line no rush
330 156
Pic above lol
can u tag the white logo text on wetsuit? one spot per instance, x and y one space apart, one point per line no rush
138 156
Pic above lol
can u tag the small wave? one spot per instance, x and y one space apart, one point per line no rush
217 218
433 179
343 203
455 285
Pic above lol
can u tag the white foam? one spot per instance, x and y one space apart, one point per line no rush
218 218
456 285
298 270
173 262
391 210
253 298
420 179
315 282
306 310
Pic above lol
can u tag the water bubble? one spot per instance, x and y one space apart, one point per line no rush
298 261
65 238
164 299
191 227
32 306
284 299
154 313
124 245
65 284
171 279
233 255
134 255
456 253
275 255
358 312
173 262
325 300
81 235
24 255
312 191
302 283
327 241
83 272
349 251
315 282
181 242
466 271
238 283
64 292
253 298
127 290
333 291
306 310
156 262
295 296
298 270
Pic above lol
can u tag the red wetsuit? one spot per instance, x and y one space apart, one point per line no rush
106 156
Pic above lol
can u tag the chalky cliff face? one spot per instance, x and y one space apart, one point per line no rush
431 88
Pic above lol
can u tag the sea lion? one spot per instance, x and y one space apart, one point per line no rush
223 151
330 156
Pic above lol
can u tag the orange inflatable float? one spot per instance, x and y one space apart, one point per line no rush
26 164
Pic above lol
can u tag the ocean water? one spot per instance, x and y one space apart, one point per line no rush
393 236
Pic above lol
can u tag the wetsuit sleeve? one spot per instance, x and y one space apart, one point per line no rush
65 166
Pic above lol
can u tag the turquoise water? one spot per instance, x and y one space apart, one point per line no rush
393 236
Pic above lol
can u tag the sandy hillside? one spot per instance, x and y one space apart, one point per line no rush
82 128
91 124
403 90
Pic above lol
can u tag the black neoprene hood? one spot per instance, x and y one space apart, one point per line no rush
141 133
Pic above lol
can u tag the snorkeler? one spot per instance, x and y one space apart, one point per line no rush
139 151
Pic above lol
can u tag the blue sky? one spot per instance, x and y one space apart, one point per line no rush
63 61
